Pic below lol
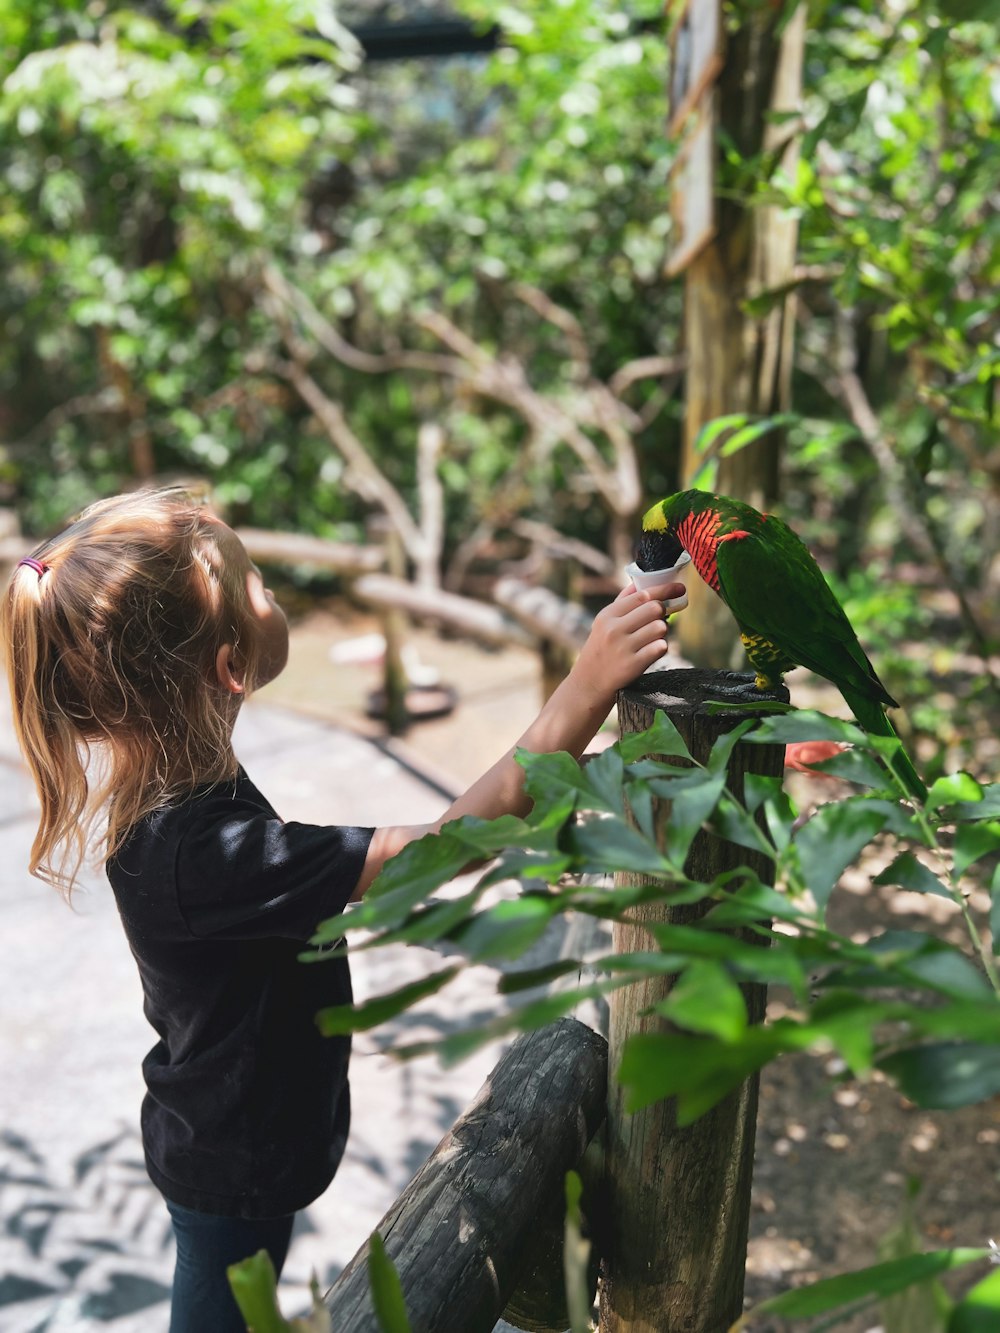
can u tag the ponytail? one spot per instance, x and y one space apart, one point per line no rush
51 745
110 633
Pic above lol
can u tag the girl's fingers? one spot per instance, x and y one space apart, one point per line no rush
647 633
628 602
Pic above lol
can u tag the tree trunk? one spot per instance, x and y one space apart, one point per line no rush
680 1197
739 362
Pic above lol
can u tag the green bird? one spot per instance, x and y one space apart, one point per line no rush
786 612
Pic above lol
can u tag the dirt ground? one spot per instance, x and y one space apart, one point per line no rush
835 1160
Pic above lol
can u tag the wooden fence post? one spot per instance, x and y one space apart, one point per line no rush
679 1198
461 1234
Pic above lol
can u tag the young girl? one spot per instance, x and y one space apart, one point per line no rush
131 640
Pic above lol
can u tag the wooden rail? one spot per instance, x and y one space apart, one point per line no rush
462 1230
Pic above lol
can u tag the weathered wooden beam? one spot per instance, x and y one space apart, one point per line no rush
476 619
679 1198
460 1232
544 613
293 548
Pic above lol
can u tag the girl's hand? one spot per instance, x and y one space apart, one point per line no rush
627 637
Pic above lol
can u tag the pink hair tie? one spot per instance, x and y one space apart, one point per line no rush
36 565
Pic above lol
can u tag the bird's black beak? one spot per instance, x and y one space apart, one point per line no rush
657 550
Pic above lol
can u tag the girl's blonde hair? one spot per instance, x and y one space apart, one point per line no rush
110 655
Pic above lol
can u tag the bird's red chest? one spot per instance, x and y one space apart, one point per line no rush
701 538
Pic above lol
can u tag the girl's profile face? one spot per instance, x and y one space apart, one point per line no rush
268 618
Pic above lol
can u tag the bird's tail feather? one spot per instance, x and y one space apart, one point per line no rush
872 717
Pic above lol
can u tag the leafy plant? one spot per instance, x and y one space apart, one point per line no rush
256 1291
907 1003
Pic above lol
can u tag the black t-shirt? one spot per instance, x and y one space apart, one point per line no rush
247 1108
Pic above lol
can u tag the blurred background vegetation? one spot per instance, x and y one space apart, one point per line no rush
234 247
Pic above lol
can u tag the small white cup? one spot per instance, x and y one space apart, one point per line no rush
656 578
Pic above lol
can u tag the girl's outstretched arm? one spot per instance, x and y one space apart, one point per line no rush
627 636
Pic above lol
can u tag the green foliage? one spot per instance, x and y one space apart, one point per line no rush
893 189
851 1293
255 1289
150 156
576 1256
907 1003
387 1292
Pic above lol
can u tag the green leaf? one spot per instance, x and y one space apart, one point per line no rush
830 840
806 725
406 880
952 789
690 806
995 910
706 999
749 962
945 1075
730 821
340 1019
558 779
698 1071
255 1290
528 978
706 477
712 430
758 788
576 1254
642 808
973 841
979 1311
781 817
387 1290
601 845
747 434
855 766
536 1014
604 776
662 738
987 806
754 903
949 972
878 1281
507 929
724 746
910 873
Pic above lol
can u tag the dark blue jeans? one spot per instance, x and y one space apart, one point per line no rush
202 1299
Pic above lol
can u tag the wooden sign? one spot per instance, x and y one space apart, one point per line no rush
692 192
695 57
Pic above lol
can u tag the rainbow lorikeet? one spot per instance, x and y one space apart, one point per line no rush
786 611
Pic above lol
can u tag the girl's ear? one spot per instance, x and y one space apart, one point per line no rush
227 673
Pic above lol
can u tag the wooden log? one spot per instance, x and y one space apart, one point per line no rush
460 1232
544 613
292 548
476 619
679 1198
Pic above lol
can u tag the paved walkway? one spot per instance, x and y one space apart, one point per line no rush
84 1243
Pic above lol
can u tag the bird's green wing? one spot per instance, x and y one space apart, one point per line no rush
774 587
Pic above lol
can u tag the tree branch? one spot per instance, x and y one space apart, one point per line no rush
364 477
844 385
562 319
645 368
